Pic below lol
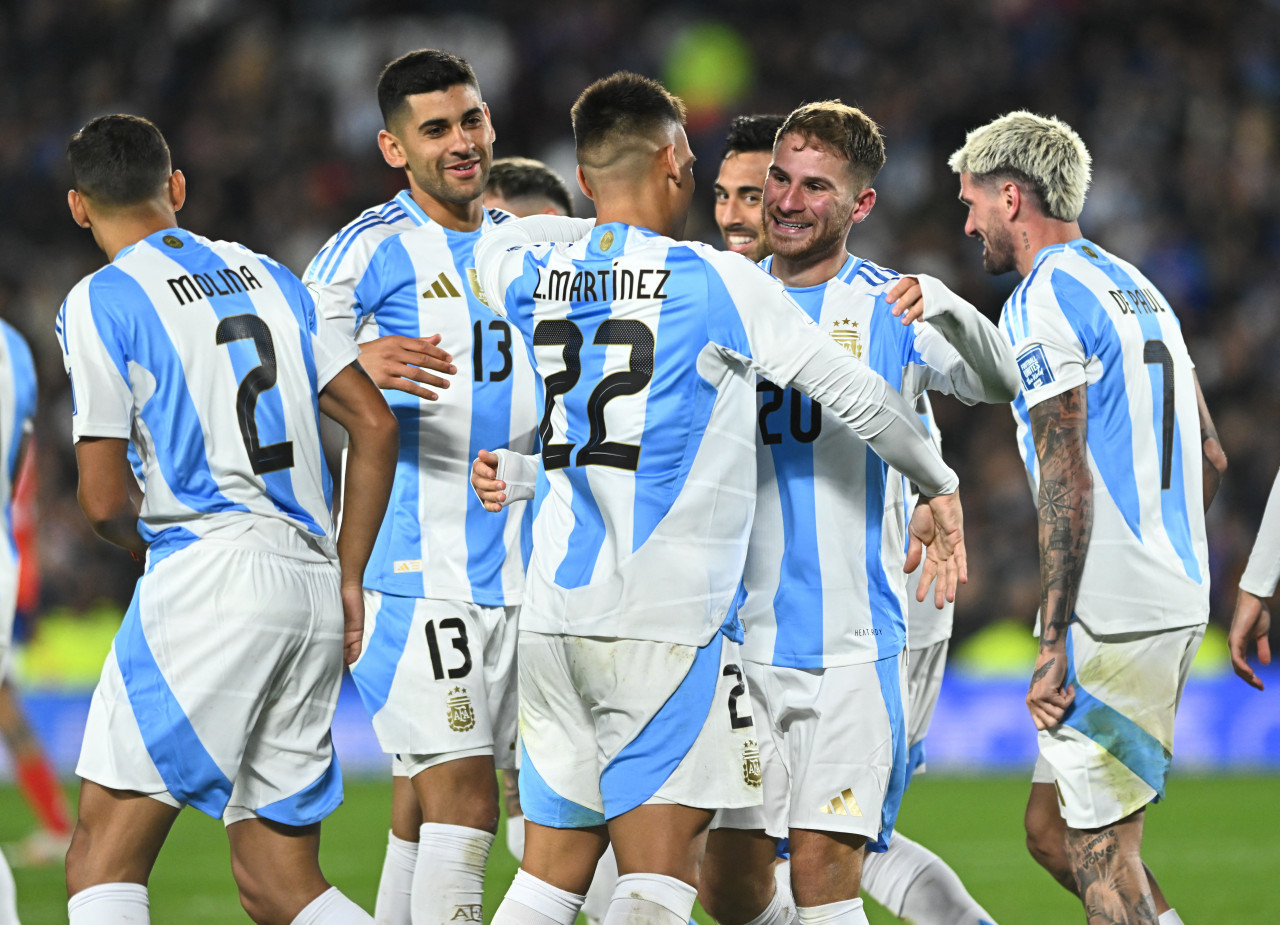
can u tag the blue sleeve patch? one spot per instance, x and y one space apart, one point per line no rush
1034 367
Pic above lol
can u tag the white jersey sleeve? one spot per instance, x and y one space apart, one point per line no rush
1263 571
95 356
964 353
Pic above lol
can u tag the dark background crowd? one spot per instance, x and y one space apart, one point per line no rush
270 111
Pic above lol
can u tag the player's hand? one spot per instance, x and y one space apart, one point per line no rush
906 299
1046 698
484 479
396 362
352 622
936 530
1252 621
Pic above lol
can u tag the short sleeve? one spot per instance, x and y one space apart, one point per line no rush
334 351
95 354
1047 350
341 285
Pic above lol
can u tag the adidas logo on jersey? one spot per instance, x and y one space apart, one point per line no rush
442 288
843 805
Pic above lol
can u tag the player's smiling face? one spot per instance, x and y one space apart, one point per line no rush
445 142
984 223
739 202
809 199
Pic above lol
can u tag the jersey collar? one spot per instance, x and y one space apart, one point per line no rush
155 239
414 211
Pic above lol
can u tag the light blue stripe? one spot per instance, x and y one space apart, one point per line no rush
188 770
23 371
166 543
310 804
1126 741
797 604
544 806
887 669
850 269
1173 502
387 214
645 763
376 669
1110 432
916 758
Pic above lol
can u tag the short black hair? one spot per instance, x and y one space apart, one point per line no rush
423 71
749 134
522 177
624 103
119 160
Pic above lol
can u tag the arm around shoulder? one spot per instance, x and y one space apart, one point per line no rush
986 370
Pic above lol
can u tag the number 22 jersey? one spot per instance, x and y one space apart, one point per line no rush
1085 317
210 359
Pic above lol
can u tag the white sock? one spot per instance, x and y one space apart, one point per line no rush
332 908
915 884
530 901
396 885
8 891
448 879
848 912
110 904
1170 918
651 898
781 909
515 836
782 887
596 906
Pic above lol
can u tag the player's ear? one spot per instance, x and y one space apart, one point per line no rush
584 185
392 152
493 134
862 204
177 190
1011 199
670 162
79 214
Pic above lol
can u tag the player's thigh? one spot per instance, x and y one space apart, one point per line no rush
673 723
736 881
844 737
436 676
117 838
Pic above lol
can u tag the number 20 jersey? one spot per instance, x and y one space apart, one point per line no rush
210 359
1084 317
394 271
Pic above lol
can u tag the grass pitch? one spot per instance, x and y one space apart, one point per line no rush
1214 847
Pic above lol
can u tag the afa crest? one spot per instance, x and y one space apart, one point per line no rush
461 716
751 774
847 335
474 279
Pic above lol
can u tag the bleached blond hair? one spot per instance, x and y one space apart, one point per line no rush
1041 151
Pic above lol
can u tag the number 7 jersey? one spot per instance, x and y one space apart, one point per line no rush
1085 317
210 359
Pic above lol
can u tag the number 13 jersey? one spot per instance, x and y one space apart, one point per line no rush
1085 317
210 359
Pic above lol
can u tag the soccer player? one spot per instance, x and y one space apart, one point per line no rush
740 184
17 410
1251 621
1124 460
635 722
523 186
209 361
445 581
825 591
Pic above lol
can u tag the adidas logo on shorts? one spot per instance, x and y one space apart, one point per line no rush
842 805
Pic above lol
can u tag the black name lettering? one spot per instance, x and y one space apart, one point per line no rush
609 285
1136 301
196 286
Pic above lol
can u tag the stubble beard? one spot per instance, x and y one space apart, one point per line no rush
998 255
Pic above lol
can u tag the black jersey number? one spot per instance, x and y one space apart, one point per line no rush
273 456
503 345
459 642
1154 351
736 721
598 450
772 400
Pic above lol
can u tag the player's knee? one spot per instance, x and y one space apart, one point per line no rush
731 899
459 796
77 856
260 901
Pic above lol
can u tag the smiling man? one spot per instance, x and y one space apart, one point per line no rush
740 184
445 581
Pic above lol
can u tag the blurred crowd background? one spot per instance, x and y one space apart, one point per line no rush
270 110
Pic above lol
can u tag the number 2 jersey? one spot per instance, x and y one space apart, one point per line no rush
648 351
210 359
394 271
1085 317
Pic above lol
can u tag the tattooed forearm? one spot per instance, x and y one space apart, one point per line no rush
1114 891
1065 506
1042 671
1212 457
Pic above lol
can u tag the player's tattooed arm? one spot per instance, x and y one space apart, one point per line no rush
1213 456
1064 503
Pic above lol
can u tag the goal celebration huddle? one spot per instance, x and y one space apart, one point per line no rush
653 542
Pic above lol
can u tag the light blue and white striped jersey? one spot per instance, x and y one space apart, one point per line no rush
648 351
17 411
926 624
210 359
1085 317
395 271
823 578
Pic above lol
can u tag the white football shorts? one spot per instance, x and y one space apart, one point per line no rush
1111 754
439 679
833 746
221 683
607 725
925 668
